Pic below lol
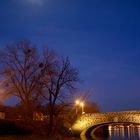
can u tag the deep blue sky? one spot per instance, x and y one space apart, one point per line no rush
101 37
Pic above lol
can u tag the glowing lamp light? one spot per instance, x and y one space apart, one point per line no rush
82 104
77 102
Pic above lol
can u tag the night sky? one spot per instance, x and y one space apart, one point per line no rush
101 38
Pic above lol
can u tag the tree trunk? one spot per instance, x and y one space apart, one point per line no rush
27 111
51 121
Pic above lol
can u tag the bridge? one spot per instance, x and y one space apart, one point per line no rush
86 121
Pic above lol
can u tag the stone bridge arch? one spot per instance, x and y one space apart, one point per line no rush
88 120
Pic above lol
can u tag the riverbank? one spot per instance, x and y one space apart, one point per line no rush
58 137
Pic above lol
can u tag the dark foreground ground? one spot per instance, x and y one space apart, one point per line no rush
36 138
20 130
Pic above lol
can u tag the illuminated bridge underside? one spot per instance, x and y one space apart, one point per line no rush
88 120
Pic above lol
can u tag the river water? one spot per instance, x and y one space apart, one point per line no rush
117 132
127 132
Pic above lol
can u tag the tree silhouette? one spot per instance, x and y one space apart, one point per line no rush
20 72
59 77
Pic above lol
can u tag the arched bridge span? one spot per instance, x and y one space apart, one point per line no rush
88 120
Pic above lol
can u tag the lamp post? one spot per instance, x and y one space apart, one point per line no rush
82 106
77 102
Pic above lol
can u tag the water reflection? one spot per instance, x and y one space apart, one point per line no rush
139 132
124 132
114 131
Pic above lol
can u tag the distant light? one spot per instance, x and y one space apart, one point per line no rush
83 112
77 102
82 104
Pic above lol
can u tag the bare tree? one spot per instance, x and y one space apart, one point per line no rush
20 72
59 78
28 77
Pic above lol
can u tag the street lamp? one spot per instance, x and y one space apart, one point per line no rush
77 102
82 106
